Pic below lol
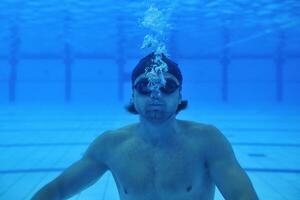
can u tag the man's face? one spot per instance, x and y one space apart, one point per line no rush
156 106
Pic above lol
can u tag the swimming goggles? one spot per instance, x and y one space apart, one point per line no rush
142 86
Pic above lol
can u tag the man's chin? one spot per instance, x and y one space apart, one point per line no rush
156 115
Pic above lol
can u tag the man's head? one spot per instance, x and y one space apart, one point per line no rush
148 61
165 101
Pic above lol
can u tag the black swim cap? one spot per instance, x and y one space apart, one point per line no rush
148 61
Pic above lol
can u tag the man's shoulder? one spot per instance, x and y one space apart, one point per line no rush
207 136
108 140
118 135
202 131
199 128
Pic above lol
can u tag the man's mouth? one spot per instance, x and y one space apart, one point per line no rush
155 103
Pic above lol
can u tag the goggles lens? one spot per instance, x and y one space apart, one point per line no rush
142 86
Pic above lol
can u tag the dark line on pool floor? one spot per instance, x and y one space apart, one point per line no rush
256 155
87 143
224 129
265 144
45 144
270 170
42 170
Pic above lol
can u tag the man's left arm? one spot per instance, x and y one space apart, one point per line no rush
226 172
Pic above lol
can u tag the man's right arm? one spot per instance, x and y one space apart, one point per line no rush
79 175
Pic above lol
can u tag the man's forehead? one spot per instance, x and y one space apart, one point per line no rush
166 75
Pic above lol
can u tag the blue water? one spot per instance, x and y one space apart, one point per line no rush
64 79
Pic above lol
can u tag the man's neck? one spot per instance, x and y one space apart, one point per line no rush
158 133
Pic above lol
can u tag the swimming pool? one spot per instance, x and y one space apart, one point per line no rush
65 78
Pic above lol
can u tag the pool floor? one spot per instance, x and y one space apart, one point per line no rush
38 142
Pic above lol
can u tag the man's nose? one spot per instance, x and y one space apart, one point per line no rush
155 94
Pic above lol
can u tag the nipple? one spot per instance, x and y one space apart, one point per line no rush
189 188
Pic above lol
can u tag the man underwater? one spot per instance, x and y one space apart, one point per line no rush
160 157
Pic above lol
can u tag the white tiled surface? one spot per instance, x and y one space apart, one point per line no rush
56 136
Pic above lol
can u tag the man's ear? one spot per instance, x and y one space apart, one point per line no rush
132 97
180 97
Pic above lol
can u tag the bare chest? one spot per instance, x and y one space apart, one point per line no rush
138 169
